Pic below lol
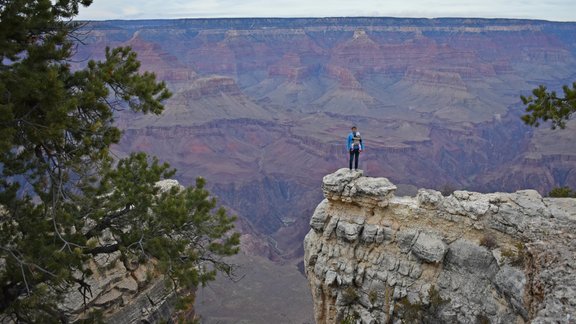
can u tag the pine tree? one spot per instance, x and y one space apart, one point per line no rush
546 105
60 187
562 192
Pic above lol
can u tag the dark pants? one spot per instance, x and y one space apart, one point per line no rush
355 153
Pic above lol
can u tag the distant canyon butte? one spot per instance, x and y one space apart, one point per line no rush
261 108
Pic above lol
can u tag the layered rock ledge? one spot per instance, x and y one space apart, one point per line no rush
371 257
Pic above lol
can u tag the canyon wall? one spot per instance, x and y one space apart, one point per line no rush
261 108
372 257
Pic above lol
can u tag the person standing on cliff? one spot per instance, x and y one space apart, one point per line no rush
355 146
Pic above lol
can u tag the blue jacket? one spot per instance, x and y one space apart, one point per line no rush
350 141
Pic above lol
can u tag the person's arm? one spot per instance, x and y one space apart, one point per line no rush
349 142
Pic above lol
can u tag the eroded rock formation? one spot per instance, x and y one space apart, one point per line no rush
371 257
121 293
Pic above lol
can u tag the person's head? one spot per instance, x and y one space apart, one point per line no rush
354 129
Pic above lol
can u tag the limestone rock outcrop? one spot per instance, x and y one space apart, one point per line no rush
123 291
371 257
123 294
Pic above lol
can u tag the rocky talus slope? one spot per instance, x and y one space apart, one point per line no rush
371 257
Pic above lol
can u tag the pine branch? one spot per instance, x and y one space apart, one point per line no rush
107 220
103 249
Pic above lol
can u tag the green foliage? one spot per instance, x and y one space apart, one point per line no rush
421 312
350 318
545 106
61 189
436 301
349 295
517 255
562 192
185 310
373 296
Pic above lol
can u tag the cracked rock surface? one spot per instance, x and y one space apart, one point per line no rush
371 257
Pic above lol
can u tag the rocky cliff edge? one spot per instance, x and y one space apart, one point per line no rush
371 257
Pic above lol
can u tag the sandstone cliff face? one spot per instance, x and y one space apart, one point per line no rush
371 257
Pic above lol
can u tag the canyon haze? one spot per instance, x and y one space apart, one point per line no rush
261 108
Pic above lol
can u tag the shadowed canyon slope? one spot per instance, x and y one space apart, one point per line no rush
261 107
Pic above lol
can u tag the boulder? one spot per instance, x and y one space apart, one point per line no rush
348 231
429 248
333 185
372 191
428 198
466 255
511 282
347 186
406 238
370 233
318 220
